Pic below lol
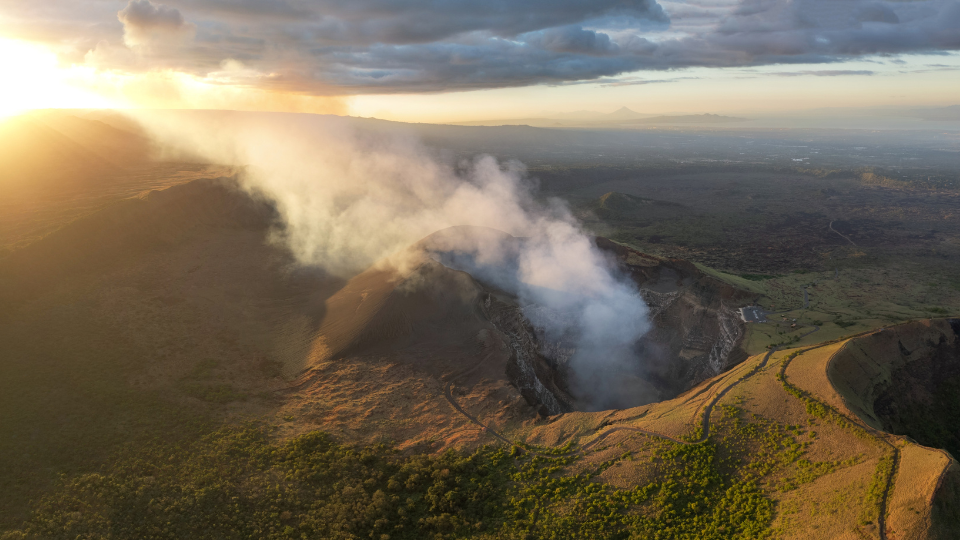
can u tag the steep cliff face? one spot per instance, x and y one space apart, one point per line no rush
533 367
696 334
921 398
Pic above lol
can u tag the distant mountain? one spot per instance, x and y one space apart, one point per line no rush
623 113
620 117
534 122
689 119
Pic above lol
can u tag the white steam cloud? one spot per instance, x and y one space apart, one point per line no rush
351 195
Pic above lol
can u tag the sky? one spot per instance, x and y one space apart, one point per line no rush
456 60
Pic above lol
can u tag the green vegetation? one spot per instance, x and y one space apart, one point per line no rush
773 446
816 408
236 483
689 498
871 251
874 502
875 493
757 277
808 471
769 444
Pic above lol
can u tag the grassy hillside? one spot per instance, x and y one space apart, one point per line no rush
781 456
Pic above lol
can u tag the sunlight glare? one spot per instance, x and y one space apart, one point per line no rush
33 79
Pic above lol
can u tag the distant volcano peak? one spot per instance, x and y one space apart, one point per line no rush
625 113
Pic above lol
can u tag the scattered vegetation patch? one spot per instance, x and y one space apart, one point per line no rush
237 483
757 277
773 447
874 502
816 408
808 471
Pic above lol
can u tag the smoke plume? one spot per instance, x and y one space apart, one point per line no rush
353 193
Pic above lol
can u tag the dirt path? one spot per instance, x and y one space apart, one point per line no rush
448 393
881 437
845 237
704 427
887 489
709 408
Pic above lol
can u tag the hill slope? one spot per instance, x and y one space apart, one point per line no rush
168 322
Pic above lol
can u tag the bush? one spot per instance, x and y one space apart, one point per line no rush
236 483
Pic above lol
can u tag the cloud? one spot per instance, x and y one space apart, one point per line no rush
625 81
877 12
823 73
144 15
388 46
146 23
367 22
575 40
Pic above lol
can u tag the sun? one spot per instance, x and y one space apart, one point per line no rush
34 79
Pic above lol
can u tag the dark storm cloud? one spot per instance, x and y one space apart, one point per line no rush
398 22
423 45
572 39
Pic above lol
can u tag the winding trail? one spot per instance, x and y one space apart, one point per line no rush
942 475
885 500
704 427
448 393
845 237
881 436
